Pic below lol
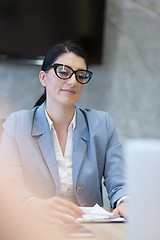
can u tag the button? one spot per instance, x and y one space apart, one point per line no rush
84 205
79 189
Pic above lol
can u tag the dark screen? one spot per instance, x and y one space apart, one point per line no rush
29 28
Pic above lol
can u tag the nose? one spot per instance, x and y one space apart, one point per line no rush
72 80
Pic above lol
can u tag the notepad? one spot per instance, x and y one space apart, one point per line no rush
98 214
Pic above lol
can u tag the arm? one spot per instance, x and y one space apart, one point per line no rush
53 209
114 174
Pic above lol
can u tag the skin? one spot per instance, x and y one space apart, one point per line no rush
121 210
55 210
63 94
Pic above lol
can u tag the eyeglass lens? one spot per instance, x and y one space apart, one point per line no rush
65 72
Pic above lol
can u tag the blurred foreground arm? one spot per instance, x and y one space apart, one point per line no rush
55 210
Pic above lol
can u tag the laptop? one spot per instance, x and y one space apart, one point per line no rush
143 167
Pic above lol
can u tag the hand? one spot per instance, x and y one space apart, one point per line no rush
121 210
55 210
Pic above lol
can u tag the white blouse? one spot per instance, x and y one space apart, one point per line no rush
64 162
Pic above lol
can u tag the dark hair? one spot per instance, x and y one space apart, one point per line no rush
54 53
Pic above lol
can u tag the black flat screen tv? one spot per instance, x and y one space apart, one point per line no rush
29 28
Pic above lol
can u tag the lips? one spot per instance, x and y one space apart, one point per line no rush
68 91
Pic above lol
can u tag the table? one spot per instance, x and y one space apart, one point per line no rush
104 231
42 231
17 226
107 231
101 231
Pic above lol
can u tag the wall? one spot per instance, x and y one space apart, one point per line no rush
126 84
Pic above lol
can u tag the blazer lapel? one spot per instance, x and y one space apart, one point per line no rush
80 143
41 133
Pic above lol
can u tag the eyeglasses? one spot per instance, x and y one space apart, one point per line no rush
65 72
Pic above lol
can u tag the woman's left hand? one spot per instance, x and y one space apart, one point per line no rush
121 210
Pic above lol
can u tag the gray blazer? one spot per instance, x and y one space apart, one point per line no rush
28 153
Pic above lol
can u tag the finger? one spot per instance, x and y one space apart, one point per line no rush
66 207
51 220
63 218
63 210
115 211
121 210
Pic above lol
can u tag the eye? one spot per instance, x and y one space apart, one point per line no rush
63 72
81 76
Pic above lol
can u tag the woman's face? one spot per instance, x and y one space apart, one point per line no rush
59 91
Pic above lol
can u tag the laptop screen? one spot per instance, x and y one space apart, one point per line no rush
143 163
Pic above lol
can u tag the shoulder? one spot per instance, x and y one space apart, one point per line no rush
19 119
97 116
98 125
20 115
101 126
98 122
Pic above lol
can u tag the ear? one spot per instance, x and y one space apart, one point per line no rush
42 77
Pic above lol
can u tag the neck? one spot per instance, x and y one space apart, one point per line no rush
61 116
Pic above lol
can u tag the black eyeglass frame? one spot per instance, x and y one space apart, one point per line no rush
56 65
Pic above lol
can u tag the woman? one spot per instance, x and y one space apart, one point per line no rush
57 153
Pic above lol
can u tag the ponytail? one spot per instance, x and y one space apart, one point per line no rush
41 99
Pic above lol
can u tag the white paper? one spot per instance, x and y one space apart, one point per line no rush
98 213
